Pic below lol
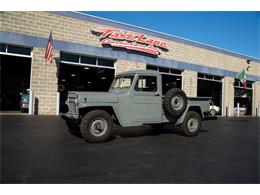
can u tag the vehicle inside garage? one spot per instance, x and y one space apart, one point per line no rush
210 86
243 97
15 77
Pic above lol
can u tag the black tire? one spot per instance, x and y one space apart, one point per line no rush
190 128
180 97
96 126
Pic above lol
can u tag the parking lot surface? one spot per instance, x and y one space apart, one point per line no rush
41 149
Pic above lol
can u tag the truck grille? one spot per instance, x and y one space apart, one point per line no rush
72 105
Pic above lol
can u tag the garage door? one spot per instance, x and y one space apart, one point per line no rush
15 67
84 73
243 97
211 86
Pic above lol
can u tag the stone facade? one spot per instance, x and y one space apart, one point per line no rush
228 96
125 65
44 82
44 76
256 98
189 82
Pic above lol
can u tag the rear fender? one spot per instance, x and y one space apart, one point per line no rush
189 108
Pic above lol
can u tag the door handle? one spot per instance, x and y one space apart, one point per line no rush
156 93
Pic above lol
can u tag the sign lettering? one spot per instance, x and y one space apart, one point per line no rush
131 41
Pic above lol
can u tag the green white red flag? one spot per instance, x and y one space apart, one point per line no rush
242 77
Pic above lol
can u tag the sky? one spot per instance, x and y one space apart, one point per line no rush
235 31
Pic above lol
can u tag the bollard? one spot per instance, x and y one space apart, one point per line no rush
58 104
30 102
226 111
238 110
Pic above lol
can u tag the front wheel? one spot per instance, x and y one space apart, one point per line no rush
96 126
191 124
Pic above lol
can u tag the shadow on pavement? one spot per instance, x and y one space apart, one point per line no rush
128 132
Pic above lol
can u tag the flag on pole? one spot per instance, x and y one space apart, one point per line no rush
242 77
49 49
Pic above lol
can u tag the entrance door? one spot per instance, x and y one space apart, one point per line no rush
147 102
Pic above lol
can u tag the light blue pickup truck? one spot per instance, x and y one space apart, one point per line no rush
135 98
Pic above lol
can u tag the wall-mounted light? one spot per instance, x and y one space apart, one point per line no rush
86 68
63 80
72 75
103 78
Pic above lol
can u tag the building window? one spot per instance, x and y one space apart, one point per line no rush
69 57
12 49
2 47
164 70
146 83
238 84
105 62
209 77
86 60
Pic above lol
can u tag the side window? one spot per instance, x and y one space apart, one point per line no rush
146 83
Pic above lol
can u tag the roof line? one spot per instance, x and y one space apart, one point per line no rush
166 36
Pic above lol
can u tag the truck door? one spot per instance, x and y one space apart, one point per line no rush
147 99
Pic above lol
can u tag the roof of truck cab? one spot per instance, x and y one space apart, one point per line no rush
139 72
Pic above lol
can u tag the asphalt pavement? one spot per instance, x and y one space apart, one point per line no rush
41 149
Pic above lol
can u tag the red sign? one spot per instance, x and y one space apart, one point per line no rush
131 41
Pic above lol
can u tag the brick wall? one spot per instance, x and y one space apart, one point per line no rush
189 82
256 97
125 65
44 82
228 96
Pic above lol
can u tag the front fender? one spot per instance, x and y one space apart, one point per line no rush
93 106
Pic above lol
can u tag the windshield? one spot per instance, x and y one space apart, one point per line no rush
122 82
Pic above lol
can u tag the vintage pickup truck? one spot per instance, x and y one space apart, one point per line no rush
135 98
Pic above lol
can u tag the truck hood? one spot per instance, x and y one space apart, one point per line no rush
92 97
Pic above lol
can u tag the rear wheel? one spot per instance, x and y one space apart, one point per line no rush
96 126
191 124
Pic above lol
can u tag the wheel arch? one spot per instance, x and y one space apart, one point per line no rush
108 109
196 109
189 108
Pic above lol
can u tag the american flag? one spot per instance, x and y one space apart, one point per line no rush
49 49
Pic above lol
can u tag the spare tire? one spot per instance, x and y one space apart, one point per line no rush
175 102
